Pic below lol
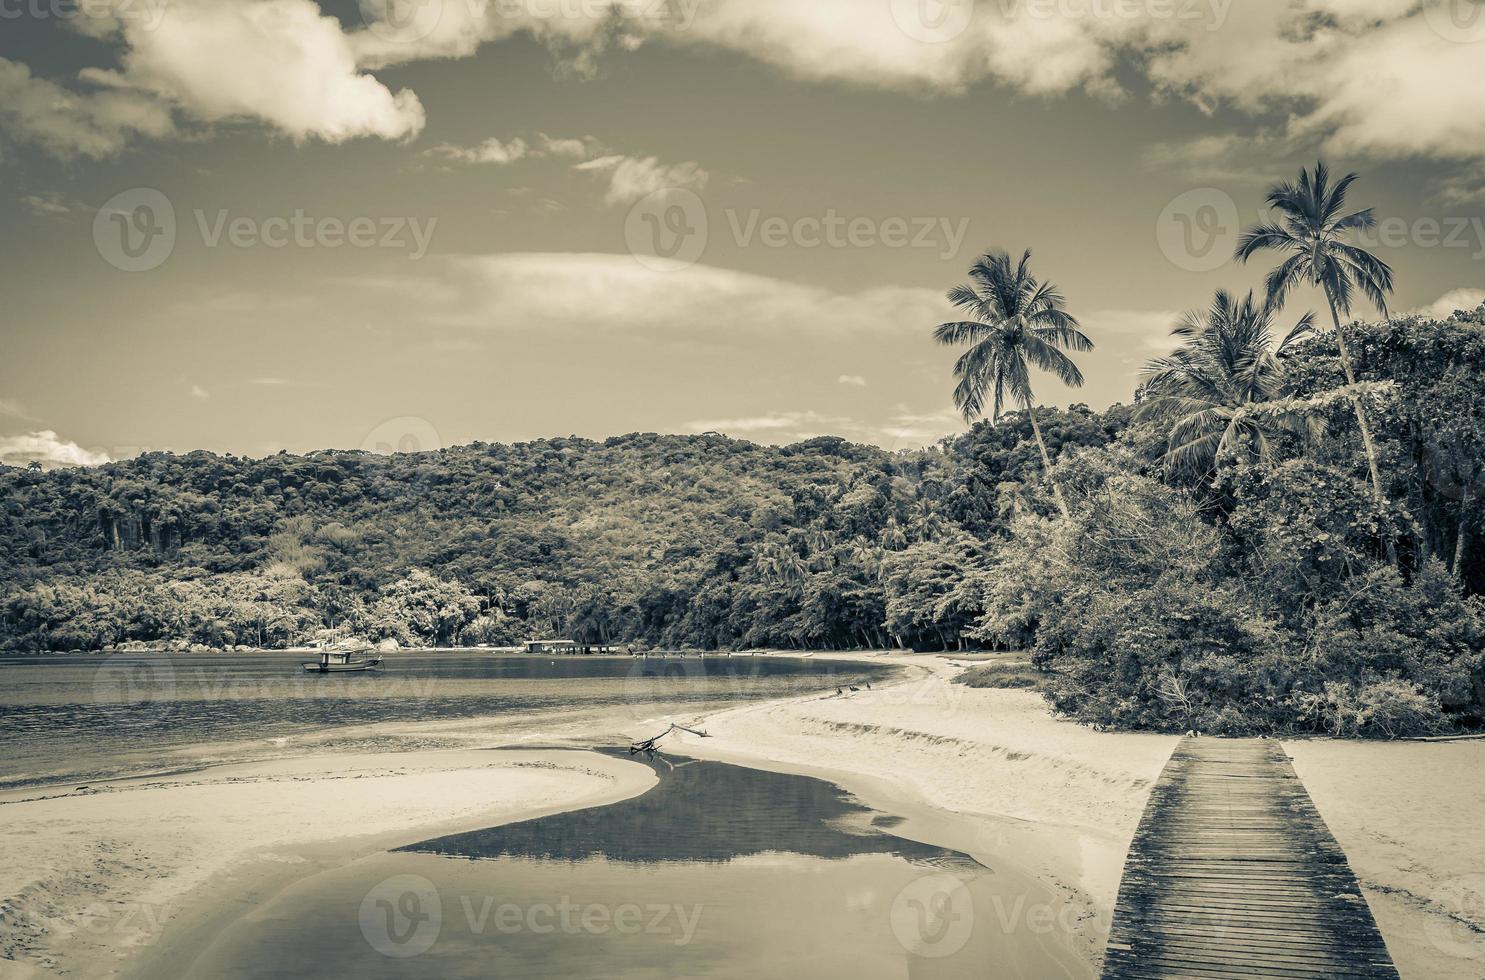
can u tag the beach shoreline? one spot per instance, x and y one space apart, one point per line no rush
94 881
133 877
985 771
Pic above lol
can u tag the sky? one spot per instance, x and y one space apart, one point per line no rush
259 225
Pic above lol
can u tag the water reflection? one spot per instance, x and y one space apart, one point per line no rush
702 812
718 871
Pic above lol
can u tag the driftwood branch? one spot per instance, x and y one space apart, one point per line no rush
648 744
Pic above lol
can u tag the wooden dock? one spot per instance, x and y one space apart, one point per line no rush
1233 875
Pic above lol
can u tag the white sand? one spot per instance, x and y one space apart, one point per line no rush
1411 817
1061 800
92 876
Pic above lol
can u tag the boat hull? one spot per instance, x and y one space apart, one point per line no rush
351 667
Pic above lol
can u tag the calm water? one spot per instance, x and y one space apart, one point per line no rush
718 871
86 717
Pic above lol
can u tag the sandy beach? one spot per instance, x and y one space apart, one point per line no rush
93 877
990 771
1065 800
1408 816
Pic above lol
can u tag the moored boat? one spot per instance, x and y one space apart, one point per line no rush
339 662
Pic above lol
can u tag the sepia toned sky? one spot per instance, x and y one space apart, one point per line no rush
254 225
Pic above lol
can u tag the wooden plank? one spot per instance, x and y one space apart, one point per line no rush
1233 875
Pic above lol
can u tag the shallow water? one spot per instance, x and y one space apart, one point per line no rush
719 871
88 717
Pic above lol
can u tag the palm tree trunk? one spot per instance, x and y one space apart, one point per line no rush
1366 429
1462 538
1041 444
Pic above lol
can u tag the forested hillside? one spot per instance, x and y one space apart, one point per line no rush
1216 557
667 540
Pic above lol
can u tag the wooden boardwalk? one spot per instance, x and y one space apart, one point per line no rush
1233 875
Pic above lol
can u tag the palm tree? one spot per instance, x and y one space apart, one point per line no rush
1017 322
1210 385
1312 231
779 564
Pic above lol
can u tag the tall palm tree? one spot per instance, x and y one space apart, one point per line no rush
1210 385
1017 322
1311 230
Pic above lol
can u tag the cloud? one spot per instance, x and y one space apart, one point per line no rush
280 62
631 178
269 382
46 447
1134 335
775 427
13 409
854 380
199 393
283 62
920 428
497 152
49 204
1382 77
580 293
69 124
1457 299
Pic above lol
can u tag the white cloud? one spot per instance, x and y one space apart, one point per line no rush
1372 76
69 124
499 152
283 62
853 380
46 447
49 204
580 293
631 178
280 62
1457 299
919 428
14 409
199 393
1135 334
775 427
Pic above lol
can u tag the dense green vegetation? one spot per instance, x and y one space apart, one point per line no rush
1281 535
